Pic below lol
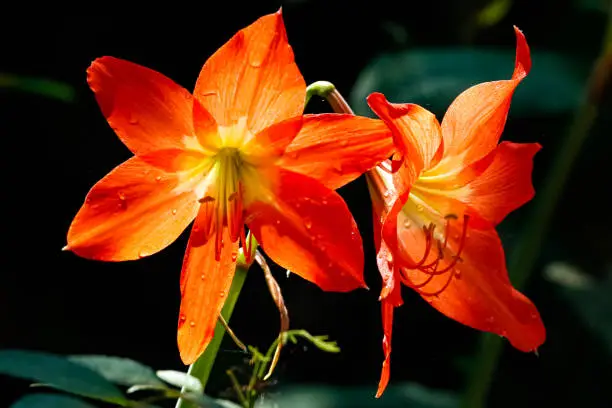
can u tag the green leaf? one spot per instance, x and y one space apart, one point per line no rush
493 12
40 86
58 372
50 401
591 299
406 395
433 78
181 380
119 370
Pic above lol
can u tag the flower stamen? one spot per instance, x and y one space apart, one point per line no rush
431 269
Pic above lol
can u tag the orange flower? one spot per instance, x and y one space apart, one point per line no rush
227 156
438 211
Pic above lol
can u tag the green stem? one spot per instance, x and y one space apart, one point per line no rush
525 255
202 367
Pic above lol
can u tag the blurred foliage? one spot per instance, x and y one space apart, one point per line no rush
39 86
407 395
435 77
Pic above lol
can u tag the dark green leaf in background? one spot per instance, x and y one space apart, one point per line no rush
433 78
119 370
40 86
58 372
50 401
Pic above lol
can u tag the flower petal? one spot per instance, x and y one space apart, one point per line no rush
205 283
505 185
253 75
307 228
336 149
134 211
416 131
147 110
480 294
474 122
269 145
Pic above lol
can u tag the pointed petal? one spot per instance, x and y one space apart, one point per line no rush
307 228
474 122
336 149
505 185
253 75
205 283
387 320
480 294
135 211
416 131
147 110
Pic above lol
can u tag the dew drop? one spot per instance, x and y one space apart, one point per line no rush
222 293
277 222
121 196
458 274
192 323
308 223
255 63
174 211
158 179
419 208
234 257
202 276
407 224
324 201
183 318
133 120
142 254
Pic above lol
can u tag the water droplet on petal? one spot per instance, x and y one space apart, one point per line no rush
407 224
222 293
183 318
277 222
133 120
142 254
308 223
121 195
192 323
419 208
458 274
324 201
234 257
174 211
202 276
158 179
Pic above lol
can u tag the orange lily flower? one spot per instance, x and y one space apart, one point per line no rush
437 204
227 156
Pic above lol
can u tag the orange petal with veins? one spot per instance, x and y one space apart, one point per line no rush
307 228
134 211
254 76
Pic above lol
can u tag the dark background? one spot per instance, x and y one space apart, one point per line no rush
53 151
